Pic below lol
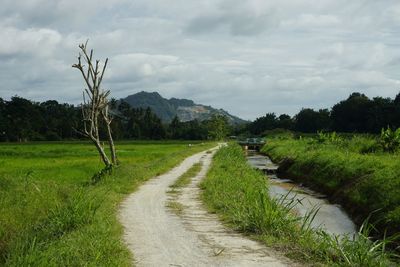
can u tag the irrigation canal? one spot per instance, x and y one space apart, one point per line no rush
331 217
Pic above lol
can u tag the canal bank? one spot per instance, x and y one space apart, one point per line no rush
328 217
366 185
240 195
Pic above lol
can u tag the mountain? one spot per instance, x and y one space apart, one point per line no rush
185 109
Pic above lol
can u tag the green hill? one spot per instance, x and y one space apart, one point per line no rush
185 109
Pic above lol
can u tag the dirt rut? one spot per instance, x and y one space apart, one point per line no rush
158 237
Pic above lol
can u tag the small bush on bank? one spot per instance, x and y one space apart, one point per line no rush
390 140
325 137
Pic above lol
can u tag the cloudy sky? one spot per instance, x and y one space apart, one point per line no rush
246 56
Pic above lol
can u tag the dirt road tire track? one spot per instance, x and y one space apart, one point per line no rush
158 237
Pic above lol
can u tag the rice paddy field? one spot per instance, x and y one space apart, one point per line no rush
52 213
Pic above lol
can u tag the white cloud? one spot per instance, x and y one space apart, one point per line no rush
248 57
136 66
29 41
312 20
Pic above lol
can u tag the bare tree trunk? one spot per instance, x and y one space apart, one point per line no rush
112 147
102 154
108 120
95 104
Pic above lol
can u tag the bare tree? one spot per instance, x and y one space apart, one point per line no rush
95 103
108 119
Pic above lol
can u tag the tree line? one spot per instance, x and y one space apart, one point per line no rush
22 120
356 114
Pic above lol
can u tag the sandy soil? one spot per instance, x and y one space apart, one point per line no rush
159 237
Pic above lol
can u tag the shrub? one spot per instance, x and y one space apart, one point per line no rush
332 137
278 133
390 140
361 144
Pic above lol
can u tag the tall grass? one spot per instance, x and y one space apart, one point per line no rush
51 214
176 188
239 194
349 172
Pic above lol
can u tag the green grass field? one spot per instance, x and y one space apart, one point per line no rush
52 215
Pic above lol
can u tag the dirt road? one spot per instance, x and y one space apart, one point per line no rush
158 237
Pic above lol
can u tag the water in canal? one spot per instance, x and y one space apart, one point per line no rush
331 217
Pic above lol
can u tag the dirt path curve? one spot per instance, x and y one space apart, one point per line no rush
158 237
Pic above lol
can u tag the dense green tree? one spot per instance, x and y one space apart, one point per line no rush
261 124
269 122
285 122
60 120
24 120
195 130
152 126
352 114
189 130
381 114
174 129
357 113
124 108
131 123
3 120
396 115
311 121
240 131
218 127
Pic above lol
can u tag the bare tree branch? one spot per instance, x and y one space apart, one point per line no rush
95 103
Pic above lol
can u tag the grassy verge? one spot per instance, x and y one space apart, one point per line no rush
51 215
239 194
363 183
186 178
175 206
182 181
